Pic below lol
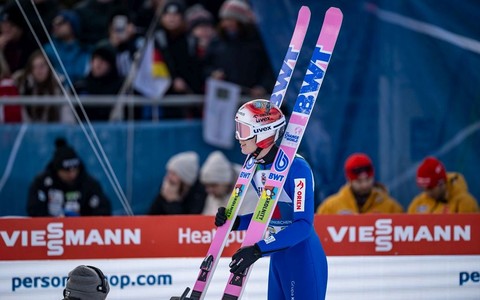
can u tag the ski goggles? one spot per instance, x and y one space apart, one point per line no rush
245 132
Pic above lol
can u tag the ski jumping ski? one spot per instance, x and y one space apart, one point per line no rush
209 264
290 142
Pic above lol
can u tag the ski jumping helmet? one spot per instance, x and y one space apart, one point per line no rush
260 118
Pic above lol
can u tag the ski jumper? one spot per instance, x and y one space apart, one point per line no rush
298 264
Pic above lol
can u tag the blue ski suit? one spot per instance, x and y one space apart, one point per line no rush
298 264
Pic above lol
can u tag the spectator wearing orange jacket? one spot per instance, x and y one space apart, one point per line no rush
442 192
361 194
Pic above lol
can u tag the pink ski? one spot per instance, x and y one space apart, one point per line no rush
289 145
215 250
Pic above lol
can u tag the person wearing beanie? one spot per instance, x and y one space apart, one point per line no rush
361 194
103 79
86 283
201 28
197 15
124 38
238 10
173 41
65 188
442 192
74 55
238 55
181 192
219 175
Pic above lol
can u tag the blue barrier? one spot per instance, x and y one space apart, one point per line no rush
25 151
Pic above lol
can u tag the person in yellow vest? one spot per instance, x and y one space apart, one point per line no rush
361 194
442 192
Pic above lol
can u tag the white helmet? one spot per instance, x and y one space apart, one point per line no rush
260 118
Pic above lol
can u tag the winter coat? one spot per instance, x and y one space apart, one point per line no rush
49 196
192 203
74 58
243 59
459 200
343 202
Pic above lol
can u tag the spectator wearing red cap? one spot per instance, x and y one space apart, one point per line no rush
361 194
442 192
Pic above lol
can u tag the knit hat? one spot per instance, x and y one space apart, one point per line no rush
357 164
86 282
106 51
216 169
64 157
72 18
430 172
198 15
236 9
174 6
185 165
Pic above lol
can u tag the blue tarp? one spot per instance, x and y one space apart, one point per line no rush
403 83
137 154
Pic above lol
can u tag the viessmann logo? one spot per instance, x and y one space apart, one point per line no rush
55 237
384 234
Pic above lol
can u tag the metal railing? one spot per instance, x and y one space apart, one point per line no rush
93 100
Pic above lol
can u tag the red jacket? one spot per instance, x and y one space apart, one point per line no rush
9 113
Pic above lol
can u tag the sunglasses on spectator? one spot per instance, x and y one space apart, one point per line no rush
360 170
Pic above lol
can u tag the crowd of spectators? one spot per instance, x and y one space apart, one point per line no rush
65 188
93 45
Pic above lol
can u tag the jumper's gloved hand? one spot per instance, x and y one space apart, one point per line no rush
221 218
244 258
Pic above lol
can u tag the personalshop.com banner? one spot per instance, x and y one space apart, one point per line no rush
369 277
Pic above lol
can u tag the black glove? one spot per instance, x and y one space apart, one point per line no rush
244 258
221 218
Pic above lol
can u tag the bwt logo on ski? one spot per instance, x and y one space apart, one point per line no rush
284 76
55 237
312 81
276 177
268 193
384 234
249 164
281 163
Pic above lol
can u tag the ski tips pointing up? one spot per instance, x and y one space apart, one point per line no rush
335 11
303 16
304 11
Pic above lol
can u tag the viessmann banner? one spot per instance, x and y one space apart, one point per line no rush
155 257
